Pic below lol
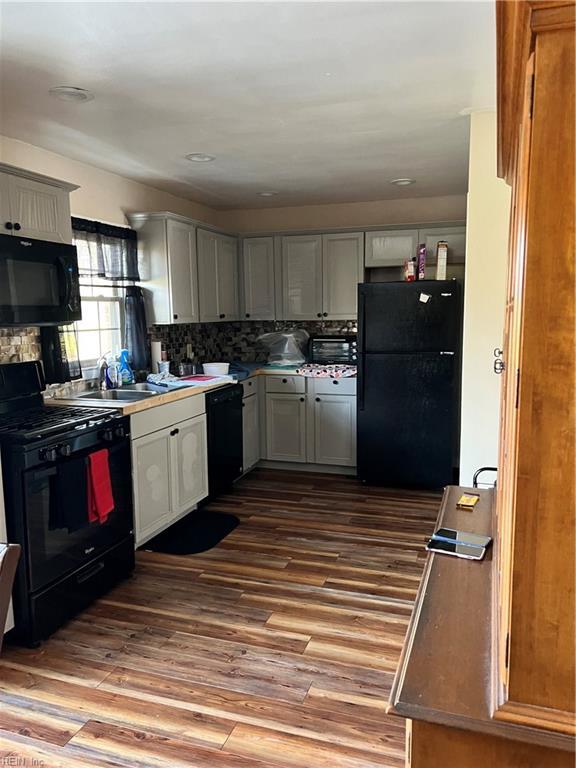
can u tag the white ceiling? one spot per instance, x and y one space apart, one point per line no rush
323 102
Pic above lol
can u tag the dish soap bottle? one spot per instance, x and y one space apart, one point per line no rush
126 373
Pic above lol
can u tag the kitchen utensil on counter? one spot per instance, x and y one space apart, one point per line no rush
186 368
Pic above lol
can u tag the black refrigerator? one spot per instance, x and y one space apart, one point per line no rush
409 349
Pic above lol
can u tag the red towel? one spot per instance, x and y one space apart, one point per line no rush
100 496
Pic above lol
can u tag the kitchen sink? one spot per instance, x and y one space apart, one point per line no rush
143 387
119 394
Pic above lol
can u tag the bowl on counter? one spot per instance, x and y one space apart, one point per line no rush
216 369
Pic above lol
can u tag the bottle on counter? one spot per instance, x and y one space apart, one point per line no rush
421 261
126 373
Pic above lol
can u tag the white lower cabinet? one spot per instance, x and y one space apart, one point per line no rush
169 470
333 429
188 463
151 474
285 427
315 424
250 431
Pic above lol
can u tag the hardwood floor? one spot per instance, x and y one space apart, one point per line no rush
276 648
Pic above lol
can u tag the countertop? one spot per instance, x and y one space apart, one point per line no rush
128 408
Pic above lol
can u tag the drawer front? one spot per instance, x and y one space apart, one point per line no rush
333 386
288 384
162 416
250 386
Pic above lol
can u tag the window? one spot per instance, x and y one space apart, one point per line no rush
107 261
100 330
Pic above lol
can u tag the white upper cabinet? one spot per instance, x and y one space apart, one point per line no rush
257 267
207 274
390 248
168 268
342 270
217 276
228 282
454 236
182 272
35 207
301 267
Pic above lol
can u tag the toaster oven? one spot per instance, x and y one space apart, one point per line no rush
331 349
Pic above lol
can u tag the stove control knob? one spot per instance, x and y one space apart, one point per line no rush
64 449
49 454
108 435
119 432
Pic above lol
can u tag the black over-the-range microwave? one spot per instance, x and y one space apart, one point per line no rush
38 282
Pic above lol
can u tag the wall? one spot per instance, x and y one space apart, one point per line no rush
103 196
336 216
484 299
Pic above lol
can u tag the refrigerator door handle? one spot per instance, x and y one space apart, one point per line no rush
361 348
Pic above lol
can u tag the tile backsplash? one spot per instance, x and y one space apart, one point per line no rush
209 341
233 341
19 345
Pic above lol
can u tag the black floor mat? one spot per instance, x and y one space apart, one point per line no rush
197 532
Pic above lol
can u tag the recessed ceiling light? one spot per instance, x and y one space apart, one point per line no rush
268 193
402 182
71 93
200 157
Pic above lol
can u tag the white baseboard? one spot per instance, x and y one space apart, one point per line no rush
294 466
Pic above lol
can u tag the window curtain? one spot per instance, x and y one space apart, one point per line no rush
106 251
60 354
135 329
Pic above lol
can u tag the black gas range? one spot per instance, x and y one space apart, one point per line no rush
68 559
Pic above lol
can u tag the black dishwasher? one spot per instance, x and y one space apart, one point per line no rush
224 424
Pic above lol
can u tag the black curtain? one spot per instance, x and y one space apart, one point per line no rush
60 354
135 330
106 251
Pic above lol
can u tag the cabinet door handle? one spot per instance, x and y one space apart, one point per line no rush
17 227
284 381
301 399
175 317
319 314
243 405
247 314
222 317
9 225
317 399
174 432
325 314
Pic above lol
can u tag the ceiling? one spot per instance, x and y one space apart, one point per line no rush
321 102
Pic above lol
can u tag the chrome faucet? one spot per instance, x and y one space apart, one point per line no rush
102 368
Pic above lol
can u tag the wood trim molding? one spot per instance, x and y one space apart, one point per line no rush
514 43
516 25
533 716
547 16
